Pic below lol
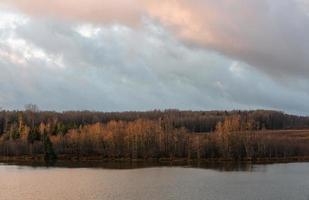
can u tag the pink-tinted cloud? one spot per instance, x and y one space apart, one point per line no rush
268 34
271 35
98 11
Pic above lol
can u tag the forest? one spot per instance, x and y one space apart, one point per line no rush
169 134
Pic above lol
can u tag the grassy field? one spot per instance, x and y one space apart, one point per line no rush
297 135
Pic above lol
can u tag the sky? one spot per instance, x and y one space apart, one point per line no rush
141 55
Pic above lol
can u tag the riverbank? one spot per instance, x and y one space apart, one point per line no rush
66 160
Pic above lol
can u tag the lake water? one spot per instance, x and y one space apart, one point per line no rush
260 182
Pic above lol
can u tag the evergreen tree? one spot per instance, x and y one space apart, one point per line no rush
49 153
33 135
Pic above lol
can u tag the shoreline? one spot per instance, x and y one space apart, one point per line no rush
177 161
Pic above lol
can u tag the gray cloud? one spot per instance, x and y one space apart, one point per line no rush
271 35
62 65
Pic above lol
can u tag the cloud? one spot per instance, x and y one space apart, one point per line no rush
97 11
117 67
271 35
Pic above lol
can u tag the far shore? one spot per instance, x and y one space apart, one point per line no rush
67 159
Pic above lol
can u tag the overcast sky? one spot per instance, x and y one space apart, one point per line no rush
155 54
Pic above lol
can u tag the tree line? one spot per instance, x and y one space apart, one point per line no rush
194 121
167 134
143 139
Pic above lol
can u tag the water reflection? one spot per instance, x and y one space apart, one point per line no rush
143 180
218 166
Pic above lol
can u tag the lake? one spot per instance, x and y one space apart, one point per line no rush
259 182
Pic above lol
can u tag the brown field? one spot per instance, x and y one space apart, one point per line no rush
297 135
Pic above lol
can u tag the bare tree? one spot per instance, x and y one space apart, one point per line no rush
31 107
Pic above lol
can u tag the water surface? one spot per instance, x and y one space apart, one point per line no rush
273 181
